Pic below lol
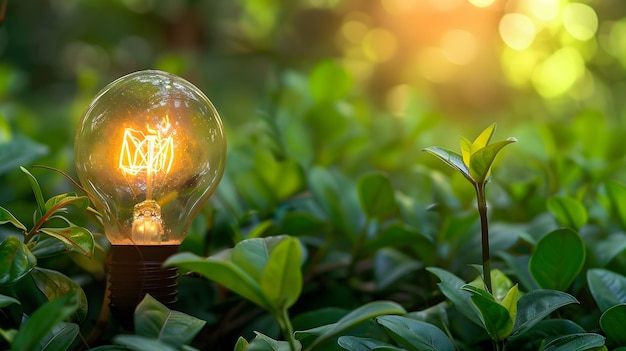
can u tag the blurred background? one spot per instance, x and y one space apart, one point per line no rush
351 84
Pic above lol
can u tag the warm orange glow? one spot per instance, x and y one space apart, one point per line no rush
149 152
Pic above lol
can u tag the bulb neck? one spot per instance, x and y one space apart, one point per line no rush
135 271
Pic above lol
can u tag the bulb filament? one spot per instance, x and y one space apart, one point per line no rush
150 153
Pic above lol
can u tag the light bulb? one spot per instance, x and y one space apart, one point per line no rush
150 148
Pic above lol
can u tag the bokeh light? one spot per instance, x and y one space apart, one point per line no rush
517 31
557 74
580 21
481 3
459 46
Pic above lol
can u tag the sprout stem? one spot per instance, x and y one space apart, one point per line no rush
484 228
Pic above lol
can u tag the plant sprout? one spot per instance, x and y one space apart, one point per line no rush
475 164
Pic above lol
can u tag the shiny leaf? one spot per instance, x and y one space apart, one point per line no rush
281 279
607 288
61 337
357 316
482 160
41 205
7 217
54 284
354 343
43 320
7 300
222 270
575 342
450 286
613 323
450 158
415 335
155 320
74 238
16 261
60 201
557 260
495 317
533 306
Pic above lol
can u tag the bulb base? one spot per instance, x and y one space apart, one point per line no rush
135 271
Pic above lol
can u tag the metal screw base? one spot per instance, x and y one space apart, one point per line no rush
135 271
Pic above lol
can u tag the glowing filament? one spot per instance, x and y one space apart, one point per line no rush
150 153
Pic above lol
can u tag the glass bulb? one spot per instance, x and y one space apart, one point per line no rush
151 149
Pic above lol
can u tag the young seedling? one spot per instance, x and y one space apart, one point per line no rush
475 164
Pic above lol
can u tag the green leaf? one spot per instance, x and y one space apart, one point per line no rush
7 300
450 158
392 265
61 337
55 203
281 280
607 288
483 139
510 303
495 317
416 335
354 343
544 330
7 217
466 150
241 345
329 81
575 342
55 284
41 205
43 320
74 238
478 291
16 261
263 342
377 197
142 343
613 323
533 306
482 160
222 270
450 286
357 316
155 320
47 246
558 258
568 211
253 254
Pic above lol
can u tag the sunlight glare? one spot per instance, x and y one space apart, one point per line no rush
544 10
517 31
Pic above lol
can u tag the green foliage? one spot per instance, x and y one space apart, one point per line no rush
31 335
330 230
550 268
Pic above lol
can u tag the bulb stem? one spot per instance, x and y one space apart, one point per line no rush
135 271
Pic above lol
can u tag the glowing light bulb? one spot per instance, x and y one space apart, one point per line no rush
151 149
